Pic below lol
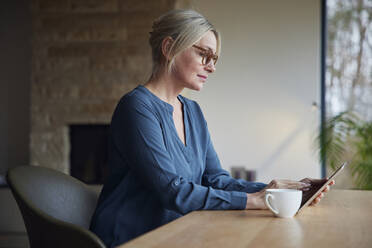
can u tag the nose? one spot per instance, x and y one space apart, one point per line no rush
210 67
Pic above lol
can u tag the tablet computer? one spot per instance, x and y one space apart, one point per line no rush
309 196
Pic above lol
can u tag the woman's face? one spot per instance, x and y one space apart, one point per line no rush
189 70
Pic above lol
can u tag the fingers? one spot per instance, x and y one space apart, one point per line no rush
315 201
304 185
321 195
289 184
297 185
326 189
306 180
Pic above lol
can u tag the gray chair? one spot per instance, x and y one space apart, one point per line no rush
56 208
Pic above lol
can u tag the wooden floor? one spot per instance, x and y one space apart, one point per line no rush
13 240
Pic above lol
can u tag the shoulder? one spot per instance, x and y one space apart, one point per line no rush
134 105
135 99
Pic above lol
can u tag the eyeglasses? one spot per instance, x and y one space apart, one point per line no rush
207 55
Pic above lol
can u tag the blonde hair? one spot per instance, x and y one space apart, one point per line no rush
185 27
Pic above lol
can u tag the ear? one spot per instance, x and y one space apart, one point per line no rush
166 46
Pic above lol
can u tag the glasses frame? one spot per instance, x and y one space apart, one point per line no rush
207 56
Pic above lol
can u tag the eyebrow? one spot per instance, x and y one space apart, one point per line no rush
208 48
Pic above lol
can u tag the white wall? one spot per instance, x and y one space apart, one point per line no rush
258 103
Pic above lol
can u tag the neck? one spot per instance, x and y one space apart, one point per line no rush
165 87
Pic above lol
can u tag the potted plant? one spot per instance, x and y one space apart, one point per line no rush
347 137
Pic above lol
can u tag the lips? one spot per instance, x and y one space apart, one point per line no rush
204 78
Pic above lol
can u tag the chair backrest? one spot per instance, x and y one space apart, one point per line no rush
56 208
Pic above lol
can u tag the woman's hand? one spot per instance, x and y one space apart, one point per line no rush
257 200
315 185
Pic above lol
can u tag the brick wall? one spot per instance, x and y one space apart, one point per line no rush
86 55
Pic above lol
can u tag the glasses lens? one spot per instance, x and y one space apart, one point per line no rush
207 59
214 60
207 56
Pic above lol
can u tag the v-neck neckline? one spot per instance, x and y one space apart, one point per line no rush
184 120
170 109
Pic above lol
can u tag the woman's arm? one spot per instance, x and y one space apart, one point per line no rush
219 178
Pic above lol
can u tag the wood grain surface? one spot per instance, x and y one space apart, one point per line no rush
342 219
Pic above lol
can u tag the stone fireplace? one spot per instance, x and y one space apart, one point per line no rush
89 152
86 55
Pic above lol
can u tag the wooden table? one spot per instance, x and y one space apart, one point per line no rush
342 219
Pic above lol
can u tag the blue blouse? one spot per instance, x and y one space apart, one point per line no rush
155 178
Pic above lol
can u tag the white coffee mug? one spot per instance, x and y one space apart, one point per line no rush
283 202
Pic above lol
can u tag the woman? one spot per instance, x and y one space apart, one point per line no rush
162 161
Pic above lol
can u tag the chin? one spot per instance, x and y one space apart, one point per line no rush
196 86
199 88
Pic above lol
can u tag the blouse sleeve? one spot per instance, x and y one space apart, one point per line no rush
219 178
138 136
